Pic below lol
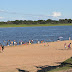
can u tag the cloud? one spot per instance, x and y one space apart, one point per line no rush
1 17
22 16
2 11
8 12
56 14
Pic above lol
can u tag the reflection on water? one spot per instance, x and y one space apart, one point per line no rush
50 33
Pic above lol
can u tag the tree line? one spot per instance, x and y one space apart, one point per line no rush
49 21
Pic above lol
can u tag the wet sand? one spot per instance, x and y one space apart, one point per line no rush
29 57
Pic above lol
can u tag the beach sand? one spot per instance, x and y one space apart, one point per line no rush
30 57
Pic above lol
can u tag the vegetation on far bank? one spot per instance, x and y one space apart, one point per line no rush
32 25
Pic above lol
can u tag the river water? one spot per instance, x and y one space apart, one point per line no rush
48 33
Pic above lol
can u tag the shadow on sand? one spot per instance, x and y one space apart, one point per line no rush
47 68
20 70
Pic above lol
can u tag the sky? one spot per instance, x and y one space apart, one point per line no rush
11 10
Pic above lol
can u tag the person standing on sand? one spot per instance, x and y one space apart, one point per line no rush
19 42
29 42
0 48
69 46
32 41
7 44
38 41
11 43
65 45
69 38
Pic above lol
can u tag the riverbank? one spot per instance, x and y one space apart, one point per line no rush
34 56
32 25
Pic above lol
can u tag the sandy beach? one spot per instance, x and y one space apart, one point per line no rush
30 57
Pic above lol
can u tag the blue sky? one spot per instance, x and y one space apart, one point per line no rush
35 9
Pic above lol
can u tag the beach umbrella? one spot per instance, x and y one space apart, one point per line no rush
60 37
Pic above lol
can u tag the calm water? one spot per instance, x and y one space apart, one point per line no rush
50 33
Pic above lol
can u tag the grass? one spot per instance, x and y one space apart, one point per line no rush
64 66
32 25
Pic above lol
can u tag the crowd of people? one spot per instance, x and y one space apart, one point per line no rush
67 46
14 43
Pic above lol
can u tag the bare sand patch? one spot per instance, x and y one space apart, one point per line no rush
27 57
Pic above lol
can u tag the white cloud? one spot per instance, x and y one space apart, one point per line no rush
22 16
56 14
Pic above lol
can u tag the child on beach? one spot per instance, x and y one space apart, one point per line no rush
69 45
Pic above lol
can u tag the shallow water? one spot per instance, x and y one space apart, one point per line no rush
49 33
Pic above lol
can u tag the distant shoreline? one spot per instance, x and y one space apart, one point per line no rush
32 25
